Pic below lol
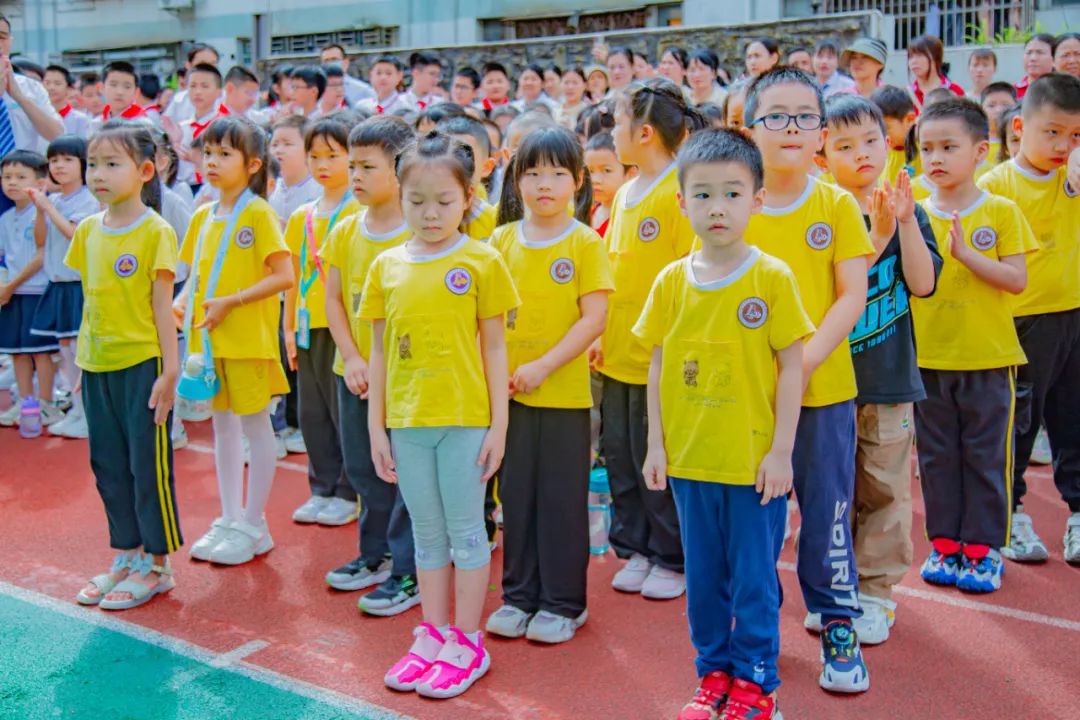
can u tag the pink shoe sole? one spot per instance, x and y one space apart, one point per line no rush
426 690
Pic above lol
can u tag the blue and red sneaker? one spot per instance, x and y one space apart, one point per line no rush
843 667
746 701
941 569
709 698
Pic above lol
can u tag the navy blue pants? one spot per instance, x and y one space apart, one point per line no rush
824 465
731 543
385 526
132 459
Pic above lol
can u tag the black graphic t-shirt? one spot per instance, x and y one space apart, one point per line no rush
883 341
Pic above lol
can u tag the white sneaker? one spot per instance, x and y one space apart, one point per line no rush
338 511
282 451
10 417
242 543
872 627
1040 451
74 425
663 584
1072 539
549 628
632 576
50 414
294 442
205 545
7 377
179 434
309 511
1025 545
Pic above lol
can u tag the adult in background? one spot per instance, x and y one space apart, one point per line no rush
596 79
865 60
672 65
1038 61
982 65
761 55
1067 54
800 57
355 88
620 69
926 63
701 73
574 99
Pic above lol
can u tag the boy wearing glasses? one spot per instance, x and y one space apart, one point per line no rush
818 230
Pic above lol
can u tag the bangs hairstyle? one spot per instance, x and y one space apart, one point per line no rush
659 103
328 128
465 125
604 141
71 146
551 146
390 134
933 50
782 75
136 141
1057 91
27 158
208 70
438 112
708 147
245 136
893 102
438 148
677 54
967 111
845 110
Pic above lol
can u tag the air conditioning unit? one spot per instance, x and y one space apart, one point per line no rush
174 5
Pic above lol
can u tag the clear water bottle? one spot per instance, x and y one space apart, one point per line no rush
30 418
599 511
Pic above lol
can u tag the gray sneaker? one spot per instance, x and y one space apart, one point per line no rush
1072 539
508 622
1025 545
550 628
356 575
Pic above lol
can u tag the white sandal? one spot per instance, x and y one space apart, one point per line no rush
104 582
140 593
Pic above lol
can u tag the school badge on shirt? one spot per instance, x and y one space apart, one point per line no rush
984 238
562 270
648 229
245 238
753 312
458 281
126 265
819 236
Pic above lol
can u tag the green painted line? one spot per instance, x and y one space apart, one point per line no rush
55 664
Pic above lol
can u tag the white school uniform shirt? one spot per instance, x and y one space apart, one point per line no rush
186 170
543 99
74 207
18 247
177 212
287 198
76 122
357 90
26 135
394 103
422 103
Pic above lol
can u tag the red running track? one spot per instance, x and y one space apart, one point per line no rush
1010 655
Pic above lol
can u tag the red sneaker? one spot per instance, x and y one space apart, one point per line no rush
745 701
708 699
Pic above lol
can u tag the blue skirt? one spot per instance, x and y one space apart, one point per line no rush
59 313
16 319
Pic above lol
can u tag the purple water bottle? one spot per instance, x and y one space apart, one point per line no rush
30 418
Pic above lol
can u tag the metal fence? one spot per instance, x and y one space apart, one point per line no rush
956 22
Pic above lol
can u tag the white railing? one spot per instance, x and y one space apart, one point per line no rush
956 22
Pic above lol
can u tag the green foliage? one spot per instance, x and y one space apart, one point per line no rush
980 35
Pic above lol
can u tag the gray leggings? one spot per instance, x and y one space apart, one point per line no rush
441 483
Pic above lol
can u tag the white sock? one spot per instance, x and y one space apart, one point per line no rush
263 464
229 462
68 368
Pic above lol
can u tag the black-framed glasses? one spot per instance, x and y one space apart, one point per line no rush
780 121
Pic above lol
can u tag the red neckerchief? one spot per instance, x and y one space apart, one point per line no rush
133 111
1022 88
380 108
153 108
489 105
197 127
64 111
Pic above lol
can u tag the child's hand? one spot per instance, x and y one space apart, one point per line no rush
215 310
901 199
655 468
882 221
179 308
1074 169
596 355
356 376
491 453
774 476
38 197
290 349
957 247
6 291
162 396
527 378
383 457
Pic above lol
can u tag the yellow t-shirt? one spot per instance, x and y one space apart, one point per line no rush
480 220
922 188
551 276
118 268
315 300
351 248
821 229
432 305
643 237
718 376
967 323
1052 209
249 331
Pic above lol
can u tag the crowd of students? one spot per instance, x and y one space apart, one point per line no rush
785 292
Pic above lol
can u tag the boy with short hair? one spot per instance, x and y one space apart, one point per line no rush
495 85
204 94
480 220
465 87
731 498
333 98
23 173
898 110
982 64
818 230
308 84
1047 312
242 93
426 70
996 98
59 83
119 82
294 185
907 264
967 351
90 94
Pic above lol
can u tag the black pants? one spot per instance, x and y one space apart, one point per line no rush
385 528
964 435
643 521
319 417
544 487
132 459
1048 392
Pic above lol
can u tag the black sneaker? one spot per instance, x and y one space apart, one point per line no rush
396 595
356 575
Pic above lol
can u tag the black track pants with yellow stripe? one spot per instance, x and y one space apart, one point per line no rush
132 459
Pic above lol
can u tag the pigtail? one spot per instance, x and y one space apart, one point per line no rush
911 145
583 200
511 207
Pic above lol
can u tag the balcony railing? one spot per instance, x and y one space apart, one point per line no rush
956 22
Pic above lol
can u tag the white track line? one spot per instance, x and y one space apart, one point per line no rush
234 664
962 602
284 464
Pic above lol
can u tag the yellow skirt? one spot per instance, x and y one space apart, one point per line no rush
248 385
